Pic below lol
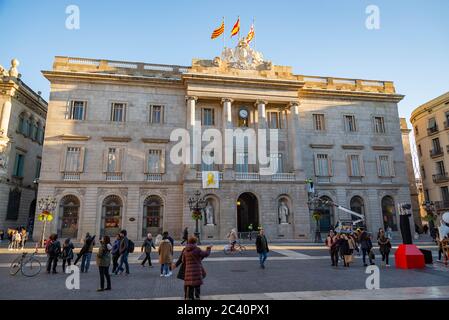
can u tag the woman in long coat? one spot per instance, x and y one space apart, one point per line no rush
194 271
165 257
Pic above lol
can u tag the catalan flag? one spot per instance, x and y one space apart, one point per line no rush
236 28
250 35
219 31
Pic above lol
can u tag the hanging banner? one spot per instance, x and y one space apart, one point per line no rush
211 179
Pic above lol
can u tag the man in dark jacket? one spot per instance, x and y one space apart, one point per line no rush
87 250
147 246
53 249
366 245
124 252
185 235
262 247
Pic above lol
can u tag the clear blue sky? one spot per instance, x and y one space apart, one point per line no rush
326 38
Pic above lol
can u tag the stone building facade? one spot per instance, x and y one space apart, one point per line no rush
431 124
23 113
108 147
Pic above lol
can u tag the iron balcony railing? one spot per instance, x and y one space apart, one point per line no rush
440 177
432 130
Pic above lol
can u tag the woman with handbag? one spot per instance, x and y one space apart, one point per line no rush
194 271
103 262
384 247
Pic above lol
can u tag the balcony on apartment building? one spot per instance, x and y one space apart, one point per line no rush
440 177
442 205
436 152
432 130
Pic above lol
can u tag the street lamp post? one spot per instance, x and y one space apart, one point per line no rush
430 209
46 207
313 203
197 204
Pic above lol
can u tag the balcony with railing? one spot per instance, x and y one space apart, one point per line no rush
442 205
247 176
436 152
432 130
446 125
440 177
153 177
71 176
114 176
283 177
199 175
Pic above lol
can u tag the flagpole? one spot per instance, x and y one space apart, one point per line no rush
224 33
239 29
254 26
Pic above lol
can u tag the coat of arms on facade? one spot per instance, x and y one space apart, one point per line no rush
242 57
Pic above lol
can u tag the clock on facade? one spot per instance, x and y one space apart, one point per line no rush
243 113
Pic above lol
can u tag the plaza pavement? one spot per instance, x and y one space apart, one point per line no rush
294 271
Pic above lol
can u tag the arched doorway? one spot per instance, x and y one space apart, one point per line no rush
152 215
327 214
247 212
68 217
112 216
389 213
358 206
31 215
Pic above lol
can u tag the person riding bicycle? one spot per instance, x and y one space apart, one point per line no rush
232 237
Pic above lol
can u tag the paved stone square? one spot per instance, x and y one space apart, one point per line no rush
295 271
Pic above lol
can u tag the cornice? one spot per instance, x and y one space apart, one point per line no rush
350 95
116 139
72 137
155 140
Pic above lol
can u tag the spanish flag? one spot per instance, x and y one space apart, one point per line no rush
219 31
250 35
236 28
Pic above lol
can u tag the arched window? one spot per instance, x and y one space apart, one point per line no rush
21 122
112 216
68 217
389 213
34 131
327 214
26 127
152 215
357 205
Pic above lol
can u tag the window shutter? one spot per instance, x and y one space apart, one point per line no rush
378 165
63 159
68 109
145 163
120 162
162 114
329 161
105 160
392 173
315 162
362 166
81 159
162 160
349 165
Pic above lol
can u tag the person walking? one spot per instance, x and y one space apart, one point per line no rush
344 249
366 245
262 247
194 270
232 238
52 249
165 251
115 252
332 244
384 247
103 263
124 253
67 253
24 238
185 235
425 228
147 247
17 239
86 252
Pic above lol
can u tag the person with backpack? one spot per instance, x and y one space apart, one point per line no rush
103 263
115 252
53 250
124 250
67 253
147 246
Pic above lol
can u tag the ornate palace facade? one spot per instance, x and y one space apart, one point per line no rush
107 146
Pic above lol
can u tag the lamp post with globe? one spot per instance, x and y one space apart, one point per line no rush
46 208
197 204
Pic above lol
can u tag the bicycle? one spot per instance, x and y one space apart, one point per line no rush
228 249
28 265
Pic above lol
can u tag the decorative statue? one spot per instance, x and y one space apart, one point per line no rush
283 213
13 71
3 71
209 214
216 62
243 57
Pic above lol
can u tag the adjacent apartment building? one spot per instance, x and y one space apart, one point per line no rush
431 127
108 148
23 113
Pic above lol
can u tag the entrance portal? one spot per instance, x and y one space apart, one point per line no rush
247 212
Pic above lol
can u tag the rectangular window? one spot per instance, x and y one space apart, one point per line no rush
77 110
355 169
113 159
207 161
156 114
274 120
423 172
207 118
118 112
72 162
37 174
379 125
432 123
445 194
318 122
322 165
446 122
19 165
154 161
441 170
436 145
278 164
384 166
12 212
426 195
350 125
242 162
419 150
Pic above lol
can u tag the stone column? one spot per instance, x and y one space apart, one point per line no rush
227 124
295 145
6 114
262 116
190 125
